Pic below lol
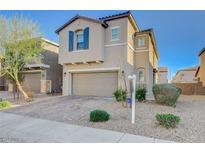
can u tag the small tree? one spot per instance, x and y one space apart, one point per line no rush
20 43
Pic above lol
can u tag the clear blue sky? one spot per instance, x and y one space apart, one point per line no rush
180 35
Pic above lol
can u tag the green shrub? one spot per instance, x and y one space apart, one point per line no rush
166 94
168 120
120 95
4 104
99 116
140 93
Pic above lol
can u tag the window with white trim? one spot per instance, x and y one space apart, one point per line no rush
141 42
114 33
80 40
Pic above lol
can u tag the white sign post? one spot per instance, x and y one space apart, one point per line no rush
133 89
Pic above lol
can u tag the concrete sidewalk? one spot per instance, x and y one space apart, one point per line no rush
16 128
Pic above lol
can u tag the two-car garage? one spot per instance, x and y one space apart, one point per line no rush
94 83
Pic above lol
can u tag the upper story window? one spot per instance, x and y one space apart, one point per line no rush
141 42
80 40
115 33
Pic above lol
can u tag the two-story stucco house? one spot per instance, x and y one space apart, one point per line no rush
186 75
44 76
98 55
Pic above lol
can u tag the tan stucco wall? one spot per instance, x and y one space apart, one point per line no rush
202 69
115 57
130 56
146 58
184 77
163 77
123 53
54 73
116 54
96 43
146 47
50 47
142 61
152 54
122 24
131 31
153 59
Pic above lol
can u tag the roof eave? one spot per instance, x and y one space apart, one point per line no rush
134 22
201 52
197 71
116 17
80 17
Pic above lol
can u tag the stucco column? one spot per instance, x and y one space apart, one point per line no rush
65 81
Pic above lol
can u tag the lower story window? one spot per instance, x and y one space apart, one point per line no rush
141 76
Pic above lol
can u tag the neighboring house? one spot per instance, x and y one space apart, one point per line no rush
97 55
3 82
45 76
186 75
200 73
163 75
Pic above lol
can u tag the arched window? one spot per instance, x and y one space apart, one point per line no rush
141 76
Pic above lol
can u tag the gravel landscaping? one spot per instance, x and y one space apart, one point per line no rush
76 111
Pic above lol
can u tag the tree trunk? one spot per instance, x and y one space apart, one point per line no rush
22 91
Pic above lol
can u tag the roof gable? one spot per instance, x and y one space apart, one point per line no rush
80 17
127 14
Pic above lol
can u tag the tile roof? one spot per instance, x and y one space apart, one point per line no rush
101 20
116 16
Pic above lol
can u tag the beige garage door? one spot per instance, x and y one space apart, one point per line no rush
32 82
95 84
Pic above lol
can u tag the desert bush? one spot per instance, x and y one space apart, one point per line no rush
99 116
140 93
120 95
168 120
5 104
166 94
